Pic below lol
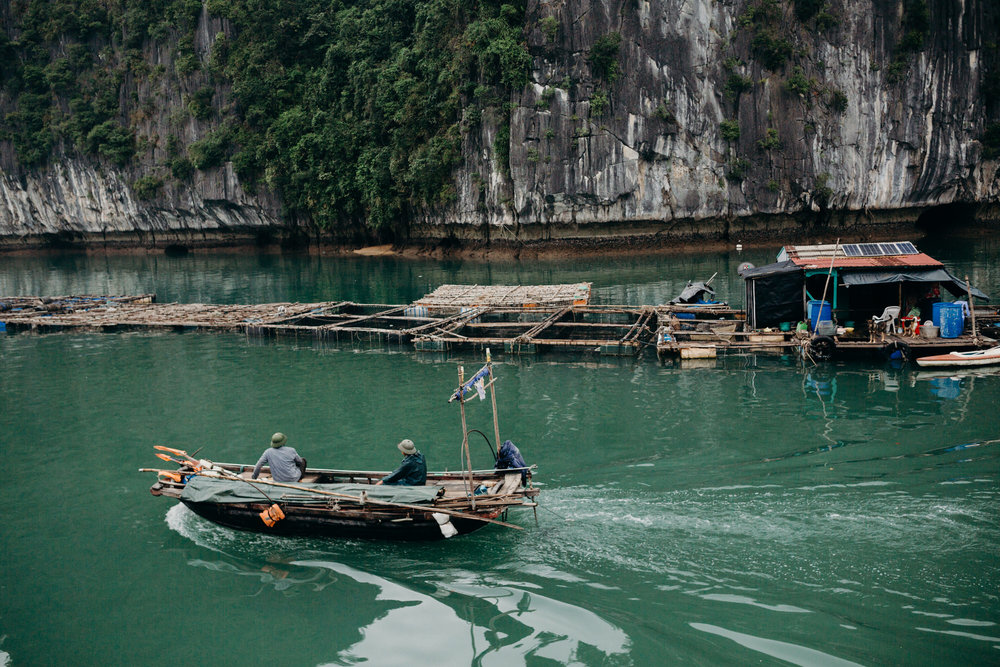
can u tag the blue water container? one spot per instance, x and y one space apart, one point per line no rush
952 319
936 312
819 311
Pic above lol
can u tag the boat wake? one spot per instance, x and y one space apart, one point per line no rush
726 539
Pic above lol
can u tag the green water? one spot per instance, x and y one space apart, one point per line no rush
754 510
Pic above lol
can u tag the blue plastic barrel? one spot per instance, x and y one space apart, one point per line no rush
952 319
936 312
469 309
819 311
415 311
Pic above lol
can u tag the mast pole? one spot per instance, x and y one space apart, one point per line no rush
465 434
493 398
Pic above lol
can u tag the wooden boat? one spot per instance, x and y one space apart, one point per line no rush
972 358
344 503
341 503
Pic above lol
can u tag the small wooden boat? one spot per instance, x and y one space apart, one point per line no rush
971 358
345 503
341 503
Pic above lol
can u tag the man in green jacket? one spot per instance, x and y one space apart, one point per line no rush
412 471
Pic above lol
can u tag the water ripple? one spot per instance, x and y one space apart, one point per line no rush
793 653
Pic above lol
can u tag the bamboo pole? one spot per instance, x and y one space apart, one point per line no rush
465 434
493 398
826 284
972 309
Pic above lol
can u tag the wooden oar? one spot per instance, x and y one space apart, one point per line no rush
358 499
177 461
188 458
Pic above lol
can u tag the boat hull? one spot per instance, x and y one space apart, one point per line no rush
321 522
962 359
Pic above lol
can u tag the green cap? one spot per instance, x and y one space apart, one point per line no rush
278 439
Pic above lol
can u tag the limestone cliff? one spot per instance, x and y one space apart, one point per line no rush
713 118
847 124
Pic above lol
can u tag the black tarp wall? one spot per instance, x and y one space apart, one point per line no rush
773 294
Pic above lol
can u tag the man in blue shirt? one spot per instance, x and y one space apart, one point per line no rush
411 472
285 463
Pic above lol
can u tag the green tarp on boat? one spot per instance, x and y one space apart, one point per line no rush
219 490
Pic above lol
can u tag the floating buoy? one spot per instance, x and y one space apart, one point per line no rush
272 515
444 523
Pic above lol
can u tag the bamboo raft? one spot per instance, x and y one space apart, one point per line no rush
517 319
514 319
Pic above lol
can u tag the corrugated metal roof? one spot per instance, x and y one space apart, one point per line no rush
811 257
886 262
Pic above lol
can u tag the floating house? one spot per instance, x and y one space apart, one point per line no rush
836 299
852 282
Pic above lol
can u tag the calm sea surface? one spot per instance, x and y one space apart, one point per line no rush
754 510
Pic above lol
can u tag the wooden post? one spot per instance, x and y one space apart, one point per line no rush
972 309
805 303
465 434
826 284
493 398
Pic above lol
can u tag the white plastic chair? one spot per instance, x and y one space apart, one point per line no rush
888 321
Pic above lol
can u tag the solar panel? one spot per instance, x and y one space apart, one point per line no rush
879 249
869 249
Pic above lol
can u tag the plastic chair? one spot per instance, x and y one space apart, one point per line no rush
887 321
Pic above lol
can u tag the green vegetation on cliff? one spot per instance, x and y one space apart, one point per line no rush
351 110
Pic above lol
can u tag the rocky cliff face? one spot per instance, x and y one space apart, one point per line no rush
78 201
848 122
717 118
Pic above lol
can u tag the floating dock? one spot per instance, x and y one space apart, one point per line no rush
515 319
512 319
696 333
